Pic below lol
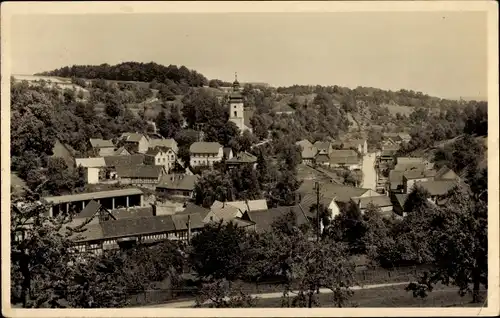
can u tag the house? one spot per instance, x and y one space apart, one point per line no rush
382 202
205 153
262 220
404 137
322 159
333 196
387 156
140 175
345 158
446 173
160 156
121 152
225 213
64 151
438 189
243 158
283 109
136 142
323 147
308 151
410 177
178 185
410 160
227 152
360 145
164 143
116 161
398 201
243 206
391 139
102 147
192 208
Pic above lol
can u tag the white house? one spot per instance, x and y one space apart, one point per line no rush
160 156
92 175
205 153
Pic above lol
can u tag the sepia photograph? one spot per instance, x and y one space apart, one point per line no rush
253 156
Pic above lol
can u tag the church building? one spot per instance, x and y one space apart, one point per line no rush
236 108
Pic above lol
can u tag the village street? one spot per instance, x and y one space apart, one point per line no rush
369 172
191 303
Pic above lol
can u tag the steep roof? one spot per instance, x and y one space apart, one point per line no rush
304 143
178 182
101 143
445 173
354 143
132 212
341 193
343 153
205 147
440 187
137 226
226 213
97 162
322 158
264 219
243 206
401 198
181 221
89 211
90 232
131 160
156 150
120 151
309 152
139 171
192 208
395 178
380 201
322 145
242 157
350 160
132 137
167 143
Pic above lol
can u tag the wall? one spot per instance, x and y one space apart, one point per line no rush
204 159
92 175
143 145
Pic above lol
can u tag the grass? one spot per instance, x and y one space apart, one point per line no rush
391 296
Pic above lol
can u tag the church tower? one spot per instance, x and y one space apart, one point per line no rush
236 114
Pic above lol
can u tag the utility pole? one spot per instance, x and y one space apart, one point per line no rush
317 212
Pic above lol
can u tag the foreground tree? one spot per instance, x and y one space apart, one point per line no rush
458 244
223 294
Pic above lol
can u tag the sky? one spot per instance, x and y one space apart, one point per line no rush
439 53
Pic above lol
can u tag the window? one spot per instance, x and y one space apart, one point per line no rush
235 113
163 159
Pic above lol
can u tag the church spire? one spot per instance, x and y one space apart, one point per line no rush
236 84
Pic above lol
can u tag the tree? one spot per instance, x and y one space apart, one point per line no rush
162 123
222 294
113 109
348 227
284 191
458 245
213 185
51 273
220 251
309 265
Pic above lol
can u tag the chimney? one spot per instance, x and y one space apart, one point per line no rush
189 229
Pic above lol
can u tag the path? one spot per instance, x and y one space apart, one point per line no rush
191 303
369 172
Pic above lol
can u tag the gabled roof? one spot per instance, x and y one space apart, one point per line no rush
97 162
132 137
440 187
304 143
119 151
354 143
380 201
242 157
195 209
414 174
178 182
181 221
264 219
322 145
339 192
401 198
205 147
350 160
409 166
139 171
156 150
309 152
131 160
226 213
167 143
89 211
101 143
132 212
137 226
250 205
445 173
322 158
